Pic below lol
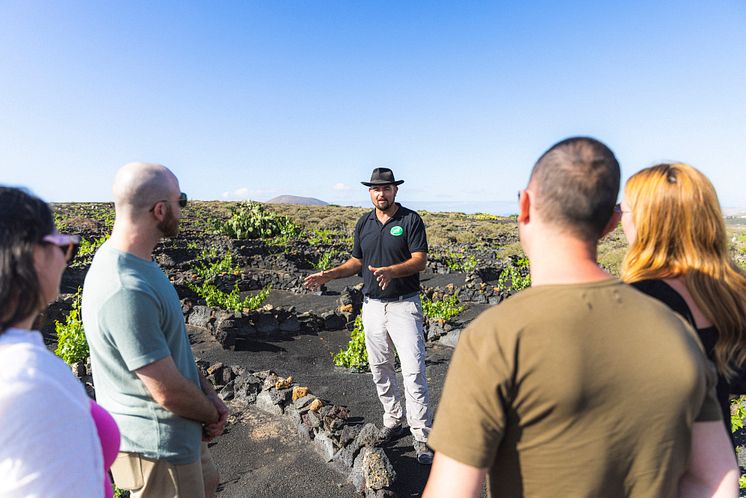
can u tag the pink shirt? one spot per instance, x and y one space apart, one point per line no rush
108 434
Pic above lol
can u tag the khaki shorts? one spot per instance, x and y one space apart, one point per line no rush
146 478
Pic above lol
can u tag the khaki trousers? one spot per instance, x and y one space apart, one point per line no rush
398 324
148 478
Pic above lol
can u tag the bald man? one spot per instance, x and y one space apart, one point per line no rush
143 367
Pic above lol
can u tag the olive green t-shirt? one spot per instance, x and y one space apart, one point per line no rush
580 390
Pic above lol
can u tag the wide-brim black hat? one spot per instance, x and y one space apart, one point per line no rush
382 176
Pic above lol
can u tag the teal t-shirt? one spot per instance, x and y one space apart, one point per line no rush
132 318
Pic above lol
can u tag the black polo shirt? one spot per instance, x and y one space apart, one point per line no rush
379 245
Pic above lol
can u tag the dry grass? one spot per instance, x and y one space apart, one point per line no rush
446 231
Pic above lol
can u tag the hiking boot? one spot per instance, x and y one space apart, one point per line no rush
389 433
424 454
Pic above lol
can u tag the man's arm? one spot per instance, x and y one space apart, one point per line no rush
385 274
347 269
712 469
176 393
450 478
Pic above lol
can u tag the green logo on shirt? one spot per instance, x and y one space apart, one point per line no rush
396 231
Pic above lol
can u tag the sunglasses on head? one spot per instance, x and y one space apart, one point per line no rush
68 244
182 201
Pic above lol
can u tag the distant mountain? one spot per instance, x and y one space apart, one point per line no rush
294 199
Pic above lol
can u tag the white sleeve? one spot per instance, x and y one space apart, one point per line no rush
49 446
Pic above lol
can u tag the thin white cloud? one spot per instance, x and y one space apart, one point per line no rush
239 193
242 193
341 186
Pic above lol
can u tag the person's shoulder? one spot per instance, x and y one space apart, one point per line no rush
505 321
406 212
110 261
28 361
365 217
21 355
126 289
531 306
659 308
409 217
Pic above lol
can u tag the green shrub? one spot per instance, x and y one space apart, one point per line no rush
88 249
209 266
325 261
347 240
355 356
323 236
251 220
445 309
287 234
230 301
120 493
737 413
512 279
461 262
71 344
510 250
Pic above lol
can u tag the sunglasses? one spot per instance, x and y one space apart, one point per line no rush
68 244
618 209
182 201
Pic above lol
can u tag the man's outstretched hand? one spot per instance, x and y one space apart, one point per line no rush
315 280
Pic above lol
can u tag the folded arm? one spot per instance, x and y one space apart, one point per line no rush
177 394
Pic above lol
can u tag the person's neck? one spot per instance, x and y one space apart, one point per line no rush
563 259
384 216
129 238
25 324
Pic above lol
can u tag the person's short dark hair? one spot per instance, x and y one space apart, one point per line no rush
24 221
577 183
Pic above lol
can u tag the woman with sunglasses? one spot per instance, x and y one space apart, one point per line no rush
49 440
678 253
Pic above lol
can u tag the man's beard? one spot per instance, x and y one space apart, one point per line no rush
383 204
169 227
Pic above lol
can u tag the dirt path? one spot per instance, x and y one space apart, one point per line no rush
261 455
259 448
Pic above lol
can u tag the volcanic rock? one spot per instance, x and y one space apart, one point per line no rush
378 471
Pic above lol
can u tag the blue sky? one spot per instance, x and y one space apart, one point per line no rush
257 99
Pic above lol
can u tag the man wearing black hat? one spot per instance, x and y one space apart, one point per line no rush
390 248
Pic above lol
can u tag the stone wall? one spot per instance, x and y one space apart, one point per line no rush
353 450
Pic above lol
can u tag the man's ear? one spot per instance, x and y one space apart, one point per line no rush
159 211
524 205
